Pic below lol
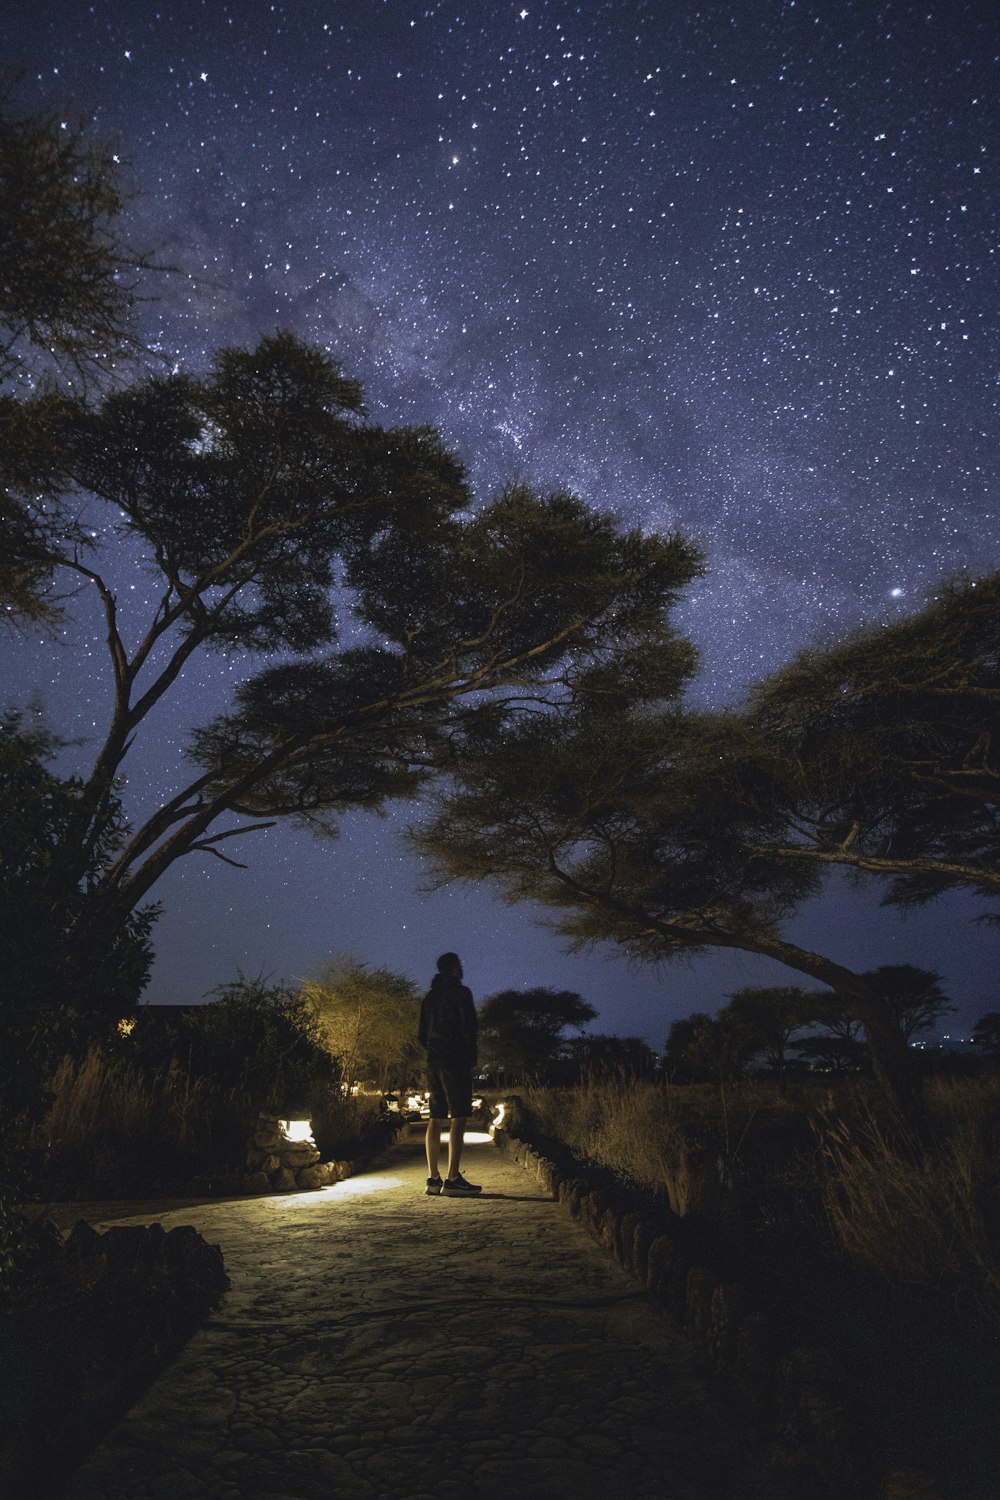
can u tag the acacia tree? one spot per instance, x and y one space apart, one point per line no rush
522 1033
771 1015
877 755
701 1048
598 817
986 1034
913 997
68 285
267 512
367 1018
838 1043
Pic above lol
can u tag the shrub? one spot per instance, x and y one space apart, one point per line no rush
350 1126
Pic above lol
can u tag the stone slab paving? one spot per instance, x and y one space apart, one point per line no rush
377 1343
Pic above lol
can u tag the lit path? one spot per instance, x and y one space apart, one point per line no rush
378 1343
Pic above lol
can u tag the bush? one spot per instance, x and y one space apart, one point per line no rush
350 1127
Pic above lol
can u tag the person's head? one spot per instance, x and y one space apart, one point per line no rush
450 964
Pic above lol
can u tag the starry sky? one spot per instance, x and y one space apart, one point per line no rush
724 267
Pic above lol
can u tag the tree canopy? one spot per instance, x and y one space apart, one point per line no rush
367 1017
388 622
68 285
877 754
522 1033
668 831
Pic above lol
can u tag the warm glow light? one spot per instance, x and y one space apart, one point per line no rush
497 1121
297 1130
126 1026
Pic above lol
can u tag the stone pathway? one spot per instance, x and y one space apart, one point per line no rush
377 1343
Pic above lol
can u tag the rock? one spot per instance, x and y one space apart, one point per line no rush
318 1176
257 1182
267 1140
283 1181
298 1154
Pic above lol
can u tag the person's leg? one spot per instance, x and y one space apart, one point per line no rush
432 1144
456 1137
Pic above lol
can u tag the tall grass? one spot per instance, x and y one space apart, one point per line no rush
116 1129
927 1216
830 1164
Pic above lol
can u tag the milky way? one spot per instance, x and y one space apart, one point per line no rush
727 268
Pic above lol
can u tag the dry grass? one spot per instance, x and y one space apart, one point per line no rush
702 1149
114 1128
829 1164
923 1218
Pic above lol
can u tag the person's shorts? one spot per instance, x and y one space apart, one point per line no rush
450 1088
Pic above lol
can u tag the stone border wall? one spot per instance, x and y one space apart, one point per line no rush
797 1396
100 1317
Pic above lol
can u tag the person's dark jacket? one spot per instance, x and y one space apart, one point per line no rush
449 1027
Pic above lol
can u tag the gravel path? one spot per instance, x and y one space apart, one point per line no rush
377 1343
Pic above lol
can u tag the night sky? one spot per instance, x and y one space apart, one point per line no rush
730 268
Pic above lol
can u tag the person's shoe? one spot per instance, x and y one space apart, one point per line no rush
433 1187
457 1187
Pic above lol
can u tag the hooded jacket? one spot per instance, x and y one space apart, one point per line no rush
449 1027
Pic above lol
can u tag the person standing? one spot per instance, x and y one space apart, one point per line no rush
448 1033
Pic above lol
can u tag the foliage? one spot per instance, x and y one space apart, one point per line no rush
986 1033
56 972
878 753
350 1127
703 1048
770 1016
747 1158
912 997
367 1018
260 1040
69 278
67 290
521 1032
613 817
928 1218
266 510
830 1167
611 1057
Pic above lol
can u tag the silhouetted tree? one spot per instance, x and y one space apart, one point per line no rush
46 933
770 1015
611 1057
266 513
68 283
611 816
260 1039
986 1034
912 997
879 754
839 1043
522 1033
709 1049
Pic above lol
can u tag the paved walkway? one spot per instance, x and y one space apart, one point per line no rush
378 1343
